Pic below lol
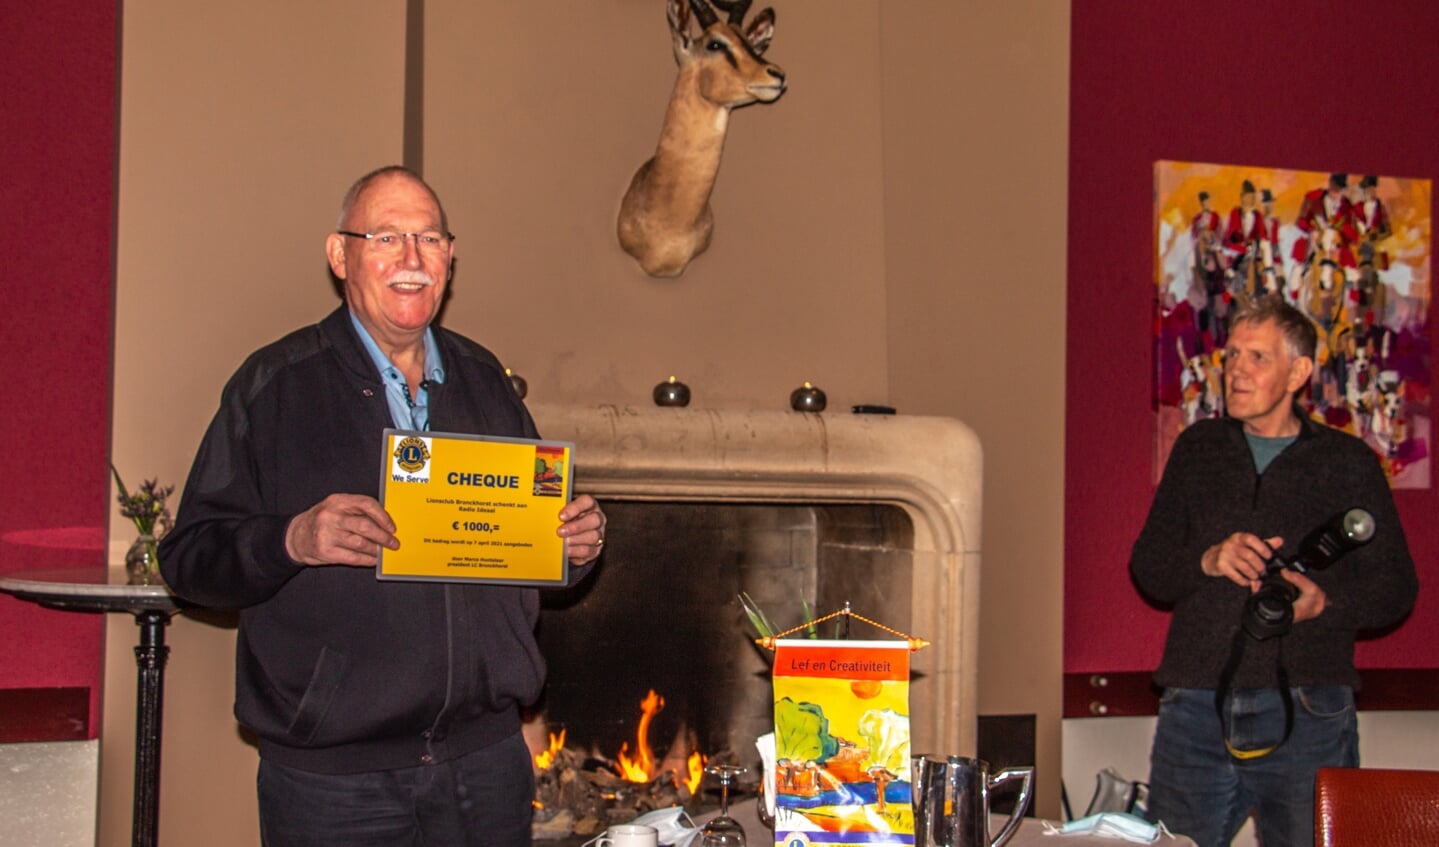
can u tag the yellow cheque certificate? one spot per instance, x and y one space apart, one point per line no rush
471 508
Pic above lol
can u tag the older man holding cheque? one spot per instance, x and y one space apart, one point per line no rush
386 712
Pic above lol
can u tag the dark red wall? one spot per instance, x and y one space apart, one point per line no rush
58 108
1308 85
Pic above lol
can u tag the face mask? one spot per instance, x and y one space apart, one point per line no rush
672 824
1111 825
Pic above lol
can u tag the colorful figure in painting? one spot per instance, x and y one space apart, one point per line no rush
1209 267
1325 256
1328 208
1350 398
1273 269
1388 418
1200 385
1244 239
1374 227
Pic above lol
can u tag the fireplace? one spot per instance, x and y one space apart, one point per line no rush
881 511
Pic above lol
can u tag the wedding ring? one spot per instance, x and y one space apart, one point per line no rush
600 543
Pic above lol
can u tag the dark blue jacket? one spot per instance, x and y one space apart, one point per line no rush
337 672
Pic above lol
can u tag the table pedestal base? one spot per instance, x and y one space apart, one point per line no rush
150 656
109 590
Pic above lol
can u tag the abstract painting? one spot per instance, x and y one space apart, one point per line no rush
1349 250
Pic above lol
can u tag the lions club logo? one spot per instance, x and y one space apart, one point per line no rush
412 454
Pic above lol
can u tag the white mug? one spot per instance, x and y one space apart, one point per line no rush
626 835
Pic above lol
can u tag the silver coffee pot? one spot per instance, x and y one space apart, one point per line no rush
951 801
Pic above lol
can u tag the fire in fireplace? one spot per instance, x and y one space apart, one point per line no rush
880 511
579 794
662 612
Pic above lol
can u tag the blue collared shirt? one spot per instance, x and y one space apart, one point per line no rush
405 411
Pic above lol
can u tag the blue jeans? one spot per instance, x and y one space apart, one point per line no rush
1198 789
484 798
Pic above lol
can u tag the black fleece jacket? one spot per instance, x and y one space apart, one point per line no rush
337 672
1210 490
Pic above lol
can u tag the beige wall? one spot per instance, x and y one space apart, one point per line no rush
975 168
892 229
534 124
240 126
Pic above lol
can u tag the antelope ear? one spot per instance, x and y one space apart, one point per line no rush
678 13
760 31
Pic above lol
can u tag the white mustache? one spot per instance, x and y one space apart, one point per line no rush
411 277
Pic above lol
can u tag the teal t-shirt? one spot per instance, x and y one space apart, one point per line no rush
1265 449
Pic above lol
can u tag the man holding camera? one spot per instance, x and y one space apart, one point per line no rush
1245 723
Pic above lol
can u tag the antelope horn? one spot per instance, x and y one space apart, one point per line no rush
704 14
737 9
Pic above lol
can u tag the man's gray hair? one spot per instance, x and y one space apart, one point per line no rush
348 204
1298 330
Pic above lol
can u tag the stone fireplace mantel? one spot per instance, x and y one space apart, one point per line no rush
929 467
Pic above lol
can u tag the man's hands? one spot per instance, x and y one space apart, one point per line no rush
350 529
1311 600
1242 557
342 529
583 524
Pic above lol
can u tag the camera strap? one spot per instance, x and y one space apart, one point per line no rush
1226 679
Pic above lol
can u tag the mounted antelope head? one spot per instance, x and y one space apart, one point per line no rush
665 218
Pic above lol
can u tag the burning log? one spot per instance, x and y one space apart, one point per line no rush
582 795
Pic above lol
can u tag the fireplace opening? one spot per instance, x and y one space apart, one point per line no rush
661 613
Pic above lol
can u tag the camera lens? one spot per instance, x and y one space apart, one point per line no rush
1270 608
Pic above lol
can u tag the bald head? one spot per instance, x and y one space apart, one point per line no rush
352 196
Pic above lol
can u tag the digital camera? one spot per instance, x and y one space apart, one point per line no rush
1270 610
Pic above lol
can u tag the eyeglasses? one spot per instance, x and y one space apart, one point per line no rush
431 242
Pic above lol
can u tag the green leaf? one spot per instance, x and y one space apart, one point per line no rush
119 483
757 617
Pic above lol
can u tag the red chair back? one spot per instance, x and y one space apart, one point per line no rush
1371 807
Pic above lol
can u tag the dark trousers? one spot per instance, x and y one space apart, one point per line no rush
483 799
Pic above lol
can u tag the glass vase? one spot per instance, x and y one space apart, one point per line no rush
142 561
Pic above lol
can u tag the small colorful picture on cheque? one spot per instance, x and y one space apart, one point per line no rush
549 471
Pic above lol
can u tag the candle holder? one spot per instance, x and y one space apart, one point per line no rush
807 398
672 392
521 387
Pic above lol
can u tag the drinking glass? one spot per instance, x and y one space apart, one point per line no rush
723 830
